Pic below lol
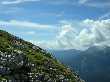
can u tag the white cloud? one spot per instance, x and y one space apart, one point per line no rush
31 33
64 30
90 3
94 32
99 4
28 33
95 3
58 2
25 24
46 44
82 1
59 14
16 2
105 16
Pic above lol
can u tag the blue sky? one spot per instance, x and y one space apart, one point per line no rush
57 24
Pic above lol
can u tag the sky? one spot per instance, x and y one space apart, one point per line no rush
58 24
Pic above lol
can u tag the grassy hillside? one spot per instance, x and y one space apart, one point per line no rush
23 61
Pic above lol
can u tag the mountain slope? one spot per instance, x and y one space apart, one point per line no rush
93 64
23 61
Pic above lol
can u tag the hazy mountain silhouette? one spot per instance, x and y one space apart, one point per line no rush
93 64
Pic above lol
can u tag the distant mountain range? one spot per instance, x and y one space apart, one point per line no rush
93 64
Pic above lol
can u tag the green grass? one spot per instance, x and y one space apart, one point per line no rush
38 56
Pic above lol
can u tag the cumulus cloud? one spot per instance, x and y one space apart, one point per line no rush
16 1
25 24
63 38
105 16
94 32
